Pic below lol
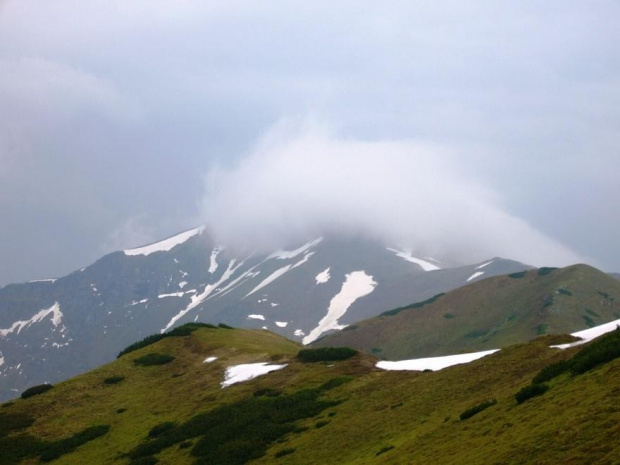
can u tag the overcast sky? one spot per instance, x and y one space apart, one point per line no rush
464 128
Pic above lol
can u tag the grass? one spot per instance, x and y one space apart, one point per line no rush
575 421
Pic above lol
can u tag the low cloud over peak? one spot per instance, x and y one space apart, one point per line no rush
302 181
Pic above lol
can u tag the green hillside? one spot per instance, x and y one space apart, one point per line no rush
492 313
315 412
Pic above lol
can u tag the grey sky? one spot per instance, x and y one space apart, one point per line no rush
113 113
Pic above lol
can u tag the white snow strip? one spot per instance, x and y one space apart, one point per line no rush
483 265
406 255
167 244
285 255
256 317
242 278
273 304
213 260
143 301
265 327
475 275
278 273
240 373
357 284
589 334
54 310
43 281
282 324
198 299
323 276
174 294
1 360
299 333
182 284
433 363
210 360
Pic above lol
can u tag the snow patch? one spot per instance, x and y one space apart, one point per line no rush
278 273
588 335
174 294
210 360
357 284
433 363
406 255
240 373
1 360
43 281
475 275
167 244
323 276
483 265
299 333
54 310
273 304
182 284
256 317
282 324
213 259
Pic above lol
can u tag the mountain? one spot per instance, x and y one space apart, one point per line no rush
195 402
53 329
489 314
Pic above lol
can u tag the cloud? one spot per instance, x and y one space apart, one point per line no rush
300 182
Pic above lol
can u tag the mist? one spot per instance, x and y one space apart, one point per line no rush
301 181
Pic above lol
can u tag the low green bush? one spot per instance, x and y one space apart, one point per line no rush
54 450
184 330
530 391
36 390
153 358
589 321
224 326
542 329
321 424
470 412
416 305
326 354
602 350
10 422
551 371
161 428
517 275
283 452
113 380
383 450
565 292
335 382
448 316
268 392
545 270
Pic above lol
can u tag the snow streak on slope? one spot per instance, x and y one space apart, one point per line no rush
406 254
54 310
323 276
475 275
279 273
356 285
241 373
433 363
285 255
167 244
198 299
213 259
589 334
483 265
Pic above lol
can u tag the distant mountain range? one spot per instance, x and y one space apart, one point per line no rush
56 328
492 313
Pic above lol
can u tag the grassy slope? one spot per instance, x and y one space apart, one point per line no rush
576 421
492 313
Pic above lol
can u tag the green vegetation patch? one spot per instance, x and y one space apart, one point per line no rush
546 270
326 354
383 450
284 452
18 448
476 334
396 311
113 380
268 392
470 412
517 275
10 422
184 330
563 291
589 321
153 358
542 329
236 433
551 371
530 391
593 313
448 316
335 382
36 390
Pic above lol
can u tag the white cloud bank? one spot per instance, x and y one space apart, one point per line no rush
297 183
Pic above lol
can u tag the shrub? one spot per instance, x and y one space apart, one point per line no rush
376 350
268 392
396 311
185 445
335 382
36 390
530 391
551 371
589 321
161 428
383 450
351 327
150 460
326 354
55 449
542 328
113 380
153 359
477 409
593 313
10 422
184 330
321 424
545 270
224 326
121 410
284 452
448 316
565 292
517 275
602 350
